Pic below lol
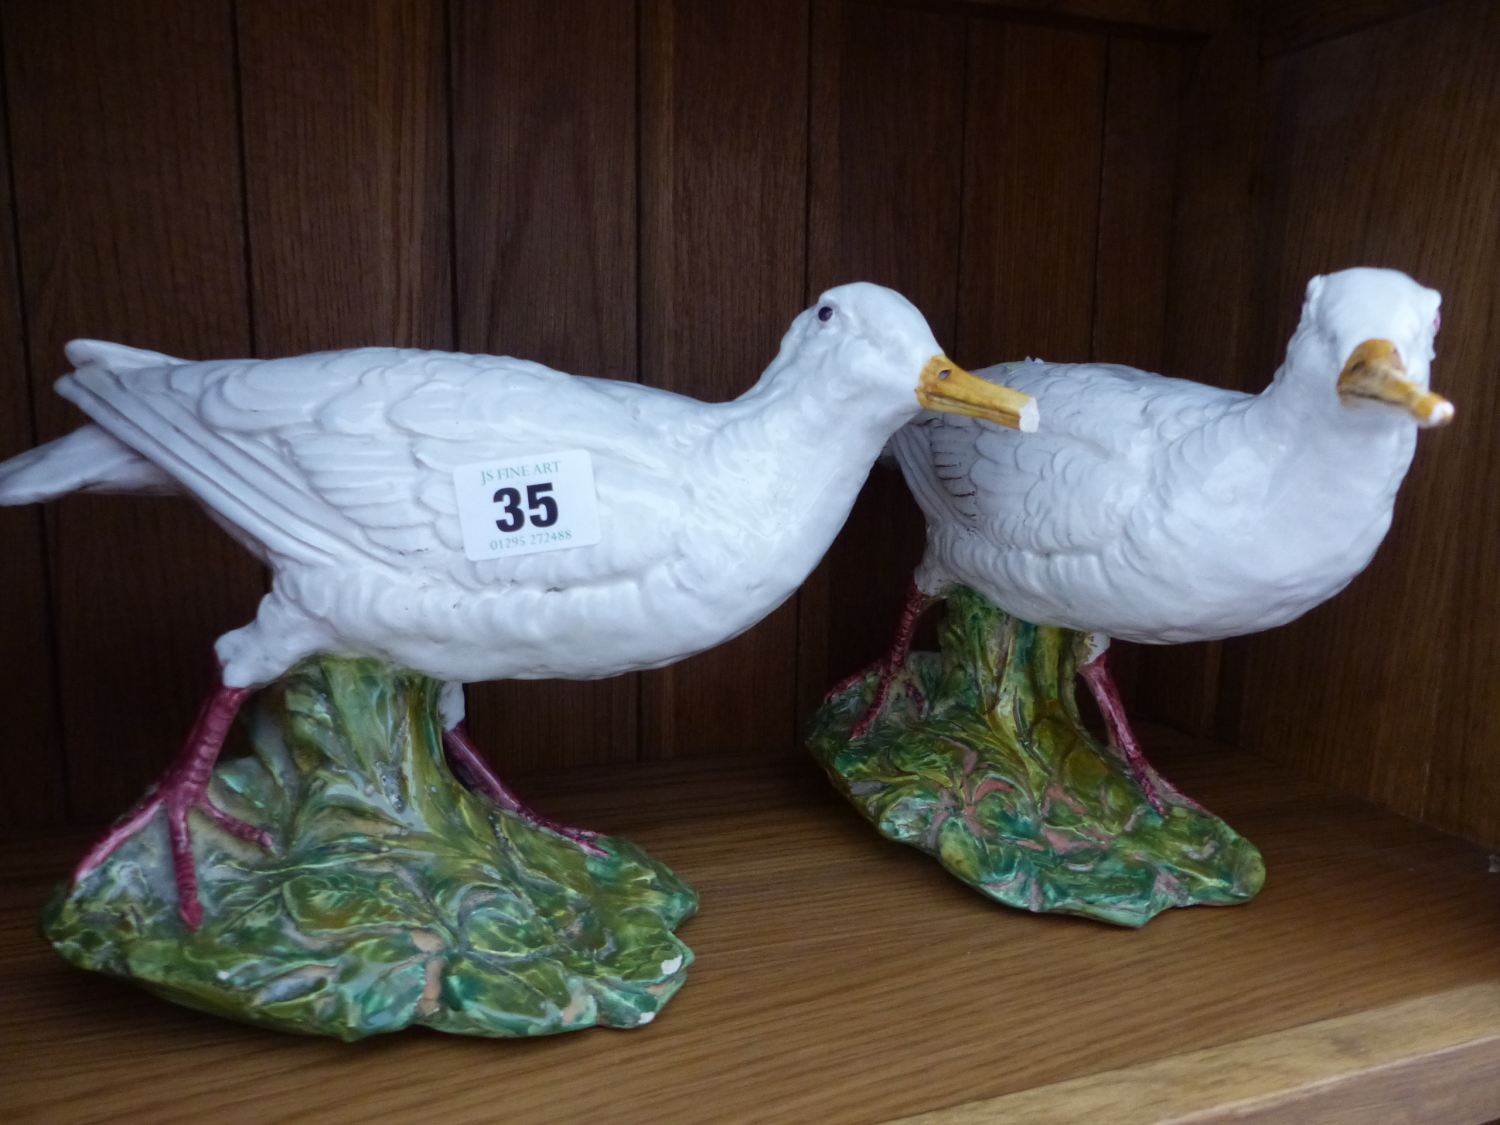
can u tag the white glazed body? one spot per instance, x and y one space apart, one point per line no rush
336 470
1160 510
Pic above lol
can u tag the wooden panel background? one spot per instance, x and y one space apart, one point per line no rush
32 782
130 222
1289 24
650 190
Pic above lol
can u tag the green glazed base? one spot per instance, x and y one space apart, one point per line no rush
980 759
393 895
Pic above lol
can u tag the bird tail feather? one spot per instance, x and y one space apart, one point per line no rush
87 460
115 358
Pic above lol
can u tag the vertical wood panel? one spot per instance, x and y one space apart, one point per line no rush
1211 301
724 146
346 173
545 181
887 134
1033 150
545 195
31 770
887 167
128 206
1382 152
1136 203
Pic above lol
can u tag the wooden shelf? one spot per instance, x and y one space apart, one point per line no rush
841 979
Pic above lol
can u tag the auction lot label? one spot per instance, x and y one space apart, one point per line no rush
545 502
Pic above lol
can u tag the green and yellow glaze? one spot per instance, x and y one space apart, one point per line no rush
980 759
393 895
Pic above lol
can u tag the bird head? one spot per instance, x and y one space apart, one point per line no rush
1375 328
876 345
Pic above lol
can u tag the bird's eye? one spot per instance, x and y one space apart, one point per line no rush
825 313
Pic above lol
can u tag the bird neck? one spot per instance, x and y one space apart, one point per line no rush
1328 449
793 453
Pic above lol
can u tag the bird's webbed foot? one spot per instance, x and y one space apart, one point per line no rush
474 771
1154 787
182 788
889 664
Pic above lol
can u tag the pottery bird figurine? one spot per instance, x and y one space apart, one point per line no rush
1159 510
476 518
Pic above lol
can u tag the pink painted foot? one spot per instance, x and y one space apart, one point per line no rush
1096 674
475 772
183 787
916 604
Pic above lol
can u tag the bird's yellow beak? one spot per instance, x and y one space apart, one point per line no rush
948 387
1375 370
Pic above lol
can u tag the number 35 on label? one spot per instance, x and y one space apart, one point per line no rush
544 502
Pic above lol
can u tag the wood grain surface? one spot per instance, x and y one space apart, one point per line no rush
723 266
1211 300
348 206
32 778
843 979
1132 268
1290 24
544 158
1388 689
1033 153
127 181
1197 17
1433 1059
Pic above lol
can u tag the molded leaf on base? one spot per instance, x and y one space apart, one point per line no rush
393 895
980 759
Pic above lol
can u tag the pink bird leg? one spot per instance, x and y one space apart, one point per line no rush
471 768
916 604
184 786
1096 674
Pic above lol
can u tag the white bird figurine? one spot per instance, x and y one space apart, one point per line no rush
1159 510
345 473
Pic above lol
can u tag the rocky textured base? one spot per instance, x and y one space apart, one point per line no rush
393 896
980 759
